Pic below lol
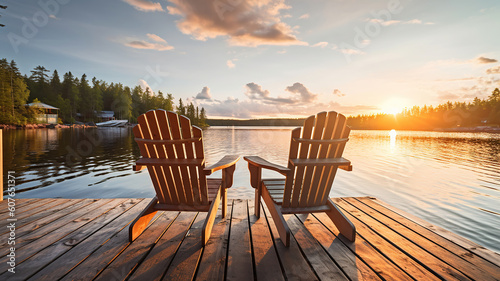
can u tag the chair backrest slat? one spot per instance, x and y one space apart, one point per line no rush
342 131
158 171
165 176
303 153
294 149
193 175
313 153
179 150
165 135
310 185
198 148
320 173
173 183
145 153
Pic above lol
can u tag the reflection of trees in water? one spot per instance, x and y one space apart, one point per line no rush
47 156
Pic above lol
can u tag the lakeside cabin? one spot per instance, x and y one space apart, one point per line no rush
48 114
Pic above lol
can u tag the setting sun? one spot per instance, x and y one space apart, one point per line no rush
393 106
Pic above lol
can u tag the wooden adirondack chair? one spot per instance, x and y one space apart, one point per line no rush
315 156
172 150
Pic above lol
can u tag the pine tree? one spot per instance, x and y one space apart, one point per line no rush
191 112
181 109
39 78
55 88
203 118
85 104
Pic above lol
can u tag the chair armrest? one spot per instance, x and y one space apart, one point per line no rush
261 163
143 162
226 162
137 168
340 162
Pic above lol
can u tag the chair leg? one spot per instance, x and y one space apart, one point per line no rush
142 221
209 221
224 202
258 192
343 224
278 218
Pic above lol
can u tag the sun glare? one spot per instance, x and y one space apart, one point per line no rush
393 106
393 133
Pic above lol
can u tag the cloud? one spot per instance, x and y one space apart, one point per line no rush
493 70
144 5
204 94
255 92
320 44
282 52
230 64
261 103
156 38
304 16
298 88
53 17
483 60
245 23
457 79
160 45
144 86
351 51
346 50
393 22
447 96
338 93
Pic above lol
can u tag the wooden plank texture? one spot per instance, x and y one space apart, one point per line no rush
89 241
239 260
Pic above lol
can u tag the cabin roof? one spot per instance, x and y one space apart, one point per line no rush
41 105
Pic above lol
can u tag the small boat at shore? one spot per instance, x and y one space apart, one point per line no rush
113 123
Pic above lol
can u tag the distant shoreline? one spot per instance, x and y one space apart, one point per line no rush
43 126
478 129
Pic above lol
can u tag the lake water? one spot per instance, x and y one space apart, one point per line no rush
449 179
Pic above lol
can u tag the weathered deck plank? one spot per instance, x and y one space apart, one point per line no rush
88 240
78 252
447 252
294 264
160 257
239 259
267 265
47 255
123 265
213 262
406 245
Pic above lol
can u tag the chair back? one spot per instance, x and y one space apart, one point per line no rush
175 148
323 136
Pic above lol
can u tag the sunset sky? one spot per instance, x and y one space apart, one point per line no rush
268 58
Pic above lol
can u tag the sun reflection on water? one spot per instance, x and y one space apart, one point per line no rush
392 135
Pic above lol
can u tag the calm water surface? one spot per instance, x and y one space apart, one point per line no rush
449 179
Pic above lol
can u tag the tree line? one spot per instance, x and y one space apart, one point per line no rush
80 99
479 112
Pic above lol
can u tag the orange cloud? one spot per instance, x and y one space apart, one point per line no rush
144 5
160 45
245 23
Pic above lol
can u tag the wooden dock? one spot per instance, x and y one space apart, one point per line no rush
87 239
